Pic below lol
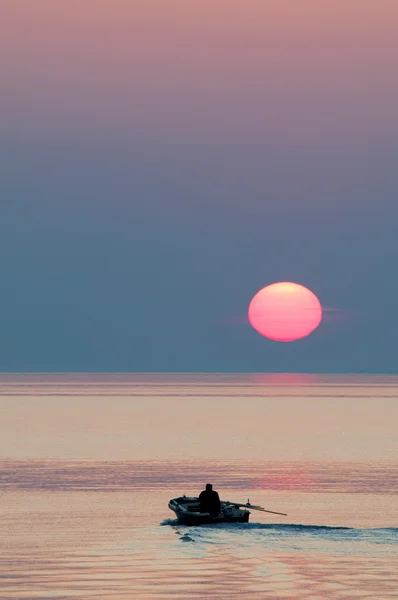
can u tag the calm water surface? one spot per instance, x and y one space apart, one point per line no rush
89 463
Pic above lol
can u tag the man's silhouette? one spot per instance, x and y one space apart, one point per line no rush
209 501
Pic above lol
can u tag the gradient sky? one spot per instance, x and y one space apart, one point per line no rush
162 160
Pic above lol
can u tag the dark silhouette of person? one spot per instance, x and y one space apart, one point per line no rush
209 501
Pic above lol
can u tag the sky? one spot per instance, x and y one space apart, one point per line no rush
163 160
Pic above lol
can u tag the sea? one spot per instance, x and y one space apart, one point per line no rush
88 463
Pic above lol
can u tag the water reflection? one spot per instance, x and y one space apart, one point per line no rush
75 529
307 476
88 525
158 566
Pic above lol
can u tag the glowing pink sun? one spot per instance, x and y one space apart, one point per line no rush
285 311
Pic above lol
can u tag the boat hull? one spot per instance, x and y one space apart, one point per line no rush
187 511
209 520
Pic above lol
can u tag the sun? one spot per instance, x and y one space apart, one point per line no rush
285 311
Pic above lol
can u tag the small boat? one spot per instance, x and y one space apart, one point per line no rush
187 510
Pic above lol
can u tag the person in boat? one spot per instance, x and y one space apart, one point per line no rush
209 501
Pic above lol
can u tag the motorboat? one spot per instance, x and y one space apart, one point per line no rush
187 510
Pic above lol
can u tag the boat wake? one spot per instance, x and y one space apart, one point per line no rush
293 527
257 526
172 522
275 531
